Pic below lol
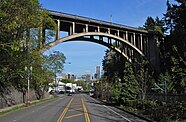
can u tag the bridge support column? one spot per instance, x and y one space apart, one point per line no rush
98 29
132 42
127 36
134 38
58 30
70 31
124 37
147 47
131 39
125 50
86 29
141 42
73 27
117 43
153 52
108 30
109 40
118 33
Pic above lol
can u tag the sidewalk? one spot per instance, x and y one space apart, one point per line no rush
18 105
13 106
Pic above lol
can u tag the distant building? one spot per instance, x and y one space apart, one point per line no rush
68 76
98 72
73 76
86 77
95 76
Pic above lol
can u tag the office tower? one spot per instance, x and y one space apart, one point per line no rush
98 71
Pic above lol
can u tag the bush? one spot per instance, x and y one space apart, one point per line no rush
158 110
166 111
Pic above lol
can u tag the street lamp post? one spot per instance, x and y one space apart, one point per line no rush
29 75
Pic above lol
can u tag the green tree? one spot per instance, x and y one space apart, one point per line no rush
150 24
143 78
175 43
130 87
156 25
18 43
160 83
113 65
54 62
159 25
67 81
84 84
16 18
121 77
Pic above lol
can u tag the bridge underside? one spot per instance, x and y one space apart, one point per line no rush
120 45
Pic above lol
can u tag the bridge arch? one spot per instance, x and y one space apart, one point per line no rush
89 36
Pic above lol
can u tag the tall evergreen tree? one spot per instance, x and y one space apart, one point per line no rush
175 44
150 24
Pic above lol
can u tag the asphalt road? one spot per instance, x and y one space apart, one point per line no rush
75 108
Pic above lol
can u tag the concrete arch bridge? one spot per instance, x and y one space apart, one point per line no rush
131 42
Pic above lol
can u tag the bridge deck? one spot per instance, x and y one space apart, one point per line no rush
94 22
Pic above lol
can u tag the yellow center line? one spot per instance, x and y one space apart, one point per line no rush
85 111
73 116
64 112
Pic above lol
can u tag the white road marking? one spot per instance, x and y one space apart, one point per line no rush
117 113
113 111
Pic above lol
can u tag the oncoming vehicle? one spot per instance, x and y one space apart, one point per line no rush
69 94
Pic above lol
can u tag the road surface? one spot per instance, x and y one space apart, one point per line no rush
75 108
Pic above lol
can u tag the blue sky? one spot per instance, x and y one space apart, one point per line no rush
85 56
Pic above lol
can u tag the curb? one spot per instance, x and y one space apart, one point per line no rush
11 107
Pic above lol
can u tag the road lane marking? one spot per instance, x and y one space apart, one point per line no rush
75 109
75 105
113 111
117 114
64 112
73 116
85 111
